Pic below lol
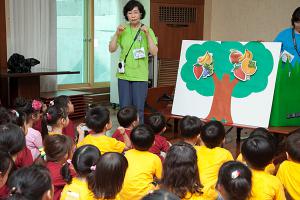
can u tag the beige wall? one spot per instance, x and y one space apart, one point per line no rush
246 20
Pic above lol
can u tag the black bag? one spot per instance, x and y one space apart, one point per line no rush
18 64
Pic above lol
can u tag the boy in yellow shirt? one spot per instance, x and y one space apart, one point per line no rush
262 132
210 155
289 171
143 167
98 120
258 153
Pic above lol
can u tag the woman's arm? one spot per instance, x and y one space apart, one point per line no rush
113 44
152 46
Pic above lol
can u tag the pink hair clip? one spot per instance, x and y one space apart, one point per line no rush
69 161
93 167
36 105
235 174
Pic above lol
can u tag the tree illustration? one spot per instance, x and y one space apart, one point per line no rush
224 70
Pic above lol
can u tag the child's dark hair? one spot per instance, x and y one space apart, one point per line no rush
180 170
293 146
51 117
160 195
157 122
235 177
62 101
213 134
262 132
110 168
130 6
190 126
56 147
97 118
142 137
18 117
29 183
12 138
84 158
126 116
4 116
257 152
6 163
31 108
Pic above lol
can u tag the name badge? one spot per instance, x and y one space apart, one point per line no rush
139 53
287 56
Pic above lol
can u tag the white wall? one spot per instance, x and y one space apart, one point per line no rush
246 20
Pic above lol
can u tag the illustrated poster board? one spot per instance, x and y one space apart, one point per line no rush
231 81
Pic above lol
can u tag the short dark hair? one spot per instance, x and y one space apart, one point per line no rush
258 152
293 146
111 168
160 195
190 126
235 177
262 132
84 158
97 118
295 16
12 138
29 183
126 116
142 137
7 164
180 170
213 134
4 116
130 5
62 101
157 122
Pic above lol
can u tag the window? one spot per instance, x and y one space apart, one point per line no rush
78 21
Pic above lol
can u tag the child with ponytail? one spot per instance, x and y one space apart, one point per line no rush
58 149
32 109
84 161
56 119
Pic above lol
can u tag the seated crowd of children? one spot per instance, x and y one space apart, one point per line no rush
44 157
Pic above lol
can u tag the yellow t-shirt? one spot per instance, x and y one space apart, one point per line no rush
266 186
289 175
77 190
209 163
270 168
103 143
143 166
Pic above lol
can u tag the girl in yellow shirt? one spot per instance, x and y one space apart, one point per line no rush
108 178
180 172
234 181
84 161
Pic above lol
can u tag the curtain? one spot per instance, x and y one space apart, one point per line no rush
32 33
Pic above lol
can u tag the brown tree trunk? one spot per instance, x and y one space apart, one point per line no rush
221 105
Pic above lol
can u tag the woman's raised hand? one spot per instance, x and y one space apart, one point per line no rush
120 29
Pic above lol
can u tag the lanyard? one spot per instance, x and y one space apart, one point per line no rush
295 42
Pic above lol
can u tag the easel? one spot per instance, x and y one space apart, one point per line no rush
157 101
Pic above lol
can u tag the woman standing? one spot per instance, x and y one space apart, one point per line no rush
290 38
136 40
